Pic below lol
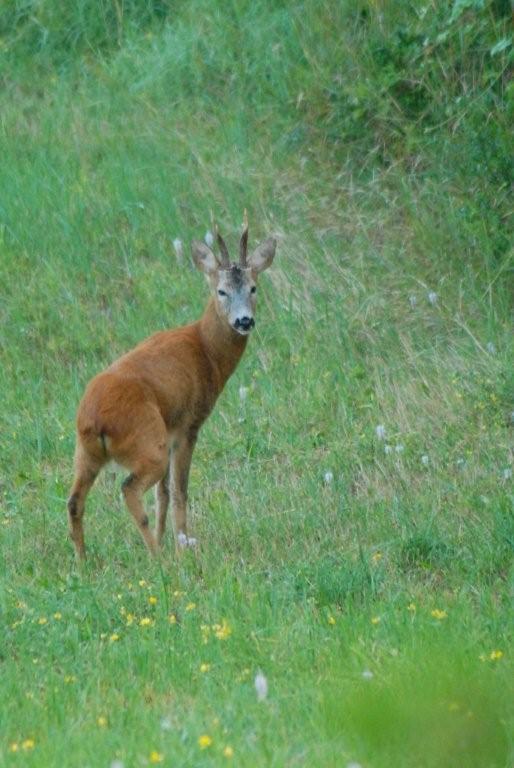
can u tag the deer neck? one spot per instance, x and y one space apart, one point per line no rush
223 345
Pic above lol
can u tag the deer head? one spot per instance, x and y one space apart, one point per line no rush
234 285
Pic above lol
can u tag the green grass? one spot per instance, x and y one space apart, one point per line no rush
124 129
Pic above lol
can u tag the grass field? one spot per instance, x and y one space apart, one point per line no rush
355 508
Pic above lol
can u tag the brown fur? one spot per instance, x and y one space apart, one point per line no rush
149 405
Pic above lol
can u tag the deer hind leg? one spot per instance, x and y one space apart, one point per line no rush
145 452
86 471
134 488
162 505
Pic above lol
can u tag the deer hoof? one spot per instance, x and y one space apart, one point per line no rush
184 541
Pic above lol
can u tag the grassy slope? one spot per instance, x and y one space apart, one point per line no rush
106 157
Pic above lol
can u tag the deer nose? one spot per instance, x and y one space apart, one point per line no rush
245 323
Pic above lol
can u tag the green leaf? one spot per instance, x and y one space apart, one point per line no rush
500 46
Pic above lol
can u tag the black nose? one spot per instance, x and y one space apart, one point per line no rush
245 323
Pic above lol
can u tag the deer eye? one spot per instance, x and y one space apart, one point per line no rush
253 289
221 293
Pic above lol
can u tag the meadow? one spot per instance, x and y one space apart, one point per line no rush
352 491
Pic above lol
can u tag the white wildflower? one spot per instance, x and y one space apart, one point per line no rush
461 462
413 301
387 449
432 297
261 686
209 238
328 477
424 460
353 765
399 448
380 431
179 249
185 541
243 393
117 764
507 473
166 724
490 348
367 674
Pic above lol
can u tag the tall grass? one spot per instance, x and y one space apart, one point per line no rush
374 140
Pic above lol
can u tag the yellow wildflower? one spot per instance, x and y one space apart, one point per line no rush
69 679
42 620
145 622
222 631
14 746
495 655
142 583
375 620
376 556
57 615
28 744
190 606
114 637
130 619
152 600
205 667
204 741
156 757
172 618
438 614
331 620
228 751
102 721
411 608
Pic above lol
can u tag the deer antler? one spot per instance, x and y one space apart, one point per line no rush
225 258
243 245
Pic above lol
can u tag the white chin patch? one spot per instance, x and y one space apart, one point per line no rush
240 331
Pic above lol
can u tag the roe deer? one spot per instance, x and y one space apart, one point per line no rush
145 410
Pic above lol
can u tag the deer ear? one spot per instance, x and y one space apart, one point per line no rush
204 258
263 255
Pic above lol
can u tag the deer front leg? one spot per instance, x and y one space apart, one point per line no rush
162 494
181 461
